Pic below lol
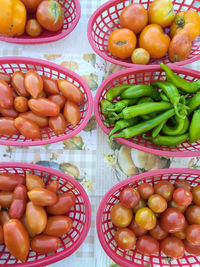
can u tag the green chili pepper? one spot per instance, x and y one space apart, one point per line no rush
109 121
164 97
120 105
194 102
164 140
157 129
143 109
176 129
140 90
121 124
145 99
116 91
194 130
105 104
179 82
145 126
186 126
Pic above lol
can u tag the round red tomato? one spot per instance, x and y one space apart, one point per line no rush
193 214
138 231
158 233
129 197
172 247
165 189
147 245
145 218
173 204
145 190
172 220
120 215
141 204
191 249
125 238
182 234
183 184
193 234
182 196
196 194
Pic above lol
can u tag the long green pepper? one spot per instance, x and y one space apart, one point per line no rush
164 140
120 105
140 90
121 124
194 130
177 128
116 91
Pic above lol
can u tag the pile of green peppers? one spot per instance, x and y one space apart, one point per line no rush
163 112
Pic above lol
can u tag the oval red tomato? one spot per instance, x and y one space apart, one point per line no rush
6 100
44 244
18 83
18 205
44 107
58 225
39 120
8 181
7 126
6 198
11 112
27 128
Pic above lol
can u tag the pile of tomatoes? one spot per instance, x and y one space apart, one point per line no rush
44 14
155 32
32 215
30 101
165 216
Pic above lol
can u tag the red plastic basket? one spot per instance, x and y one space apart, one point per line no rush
106 229
145 74
80 214
106 19
12 64
72 13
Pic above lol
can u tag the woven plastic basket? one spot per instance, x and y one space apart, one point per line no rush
106 19
106 230
80 214
72 13
12 64
145 74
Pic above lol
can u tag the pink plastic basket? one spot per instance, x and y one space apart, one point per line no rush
12 64
80 214
145 74
72 13
106 230
106 19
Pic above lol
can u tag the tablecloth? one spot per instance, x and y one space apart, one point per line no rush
88 157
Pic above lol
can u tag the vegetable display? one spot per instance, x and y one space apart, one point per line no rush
165 112
33 216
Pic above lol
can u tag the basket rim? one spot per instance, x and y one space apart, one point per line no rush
116 61
123 140
125 182
66 252
29 60
32 40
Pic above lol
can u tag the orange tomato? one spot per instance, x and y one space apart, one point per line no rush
53 186
9 112
70 91
21 104
121 43
7 126
31 5
58 225
6 198
33 181
50 85
44 244
57 124
18 83
4 217
72 113
28 129
134 17
33 83
40 121
44 107
33 28
6 100
58 99
42 197
154 40
5 77
188 20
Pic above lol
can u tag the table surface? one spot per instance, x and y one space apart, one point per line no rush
88 157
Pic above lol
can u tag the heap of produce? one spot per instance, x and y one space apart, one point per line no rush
163 112
153 33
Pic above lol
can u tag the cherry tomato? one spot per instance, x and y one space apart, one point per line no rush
44 107
140 56
129 197
4 217
158 233
181 234
5 77
36 217
8 181
18 83
33 83
138 231
193 214
27 226
44 244
65 202
193 234
173 204
120 215
27 128
58 124
50 15
72 113
70 91
16 239
183 184
33 28
182 196
31 5
145 190
18 205
11 112
50 85
42 197
21 104
196 194
125 239
165 189
121 43
7 126
140 205
157 203
39 120
6 198
147 245
172 220
58 99
6 100
191 249
1 235
58 225
53 186
145 218
172 247
134 17
33 181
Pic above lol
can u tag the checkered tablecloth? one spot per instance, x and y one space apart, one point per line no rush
88 157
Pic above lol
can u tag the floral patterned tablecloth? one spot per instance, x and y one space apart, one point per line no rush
88 157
